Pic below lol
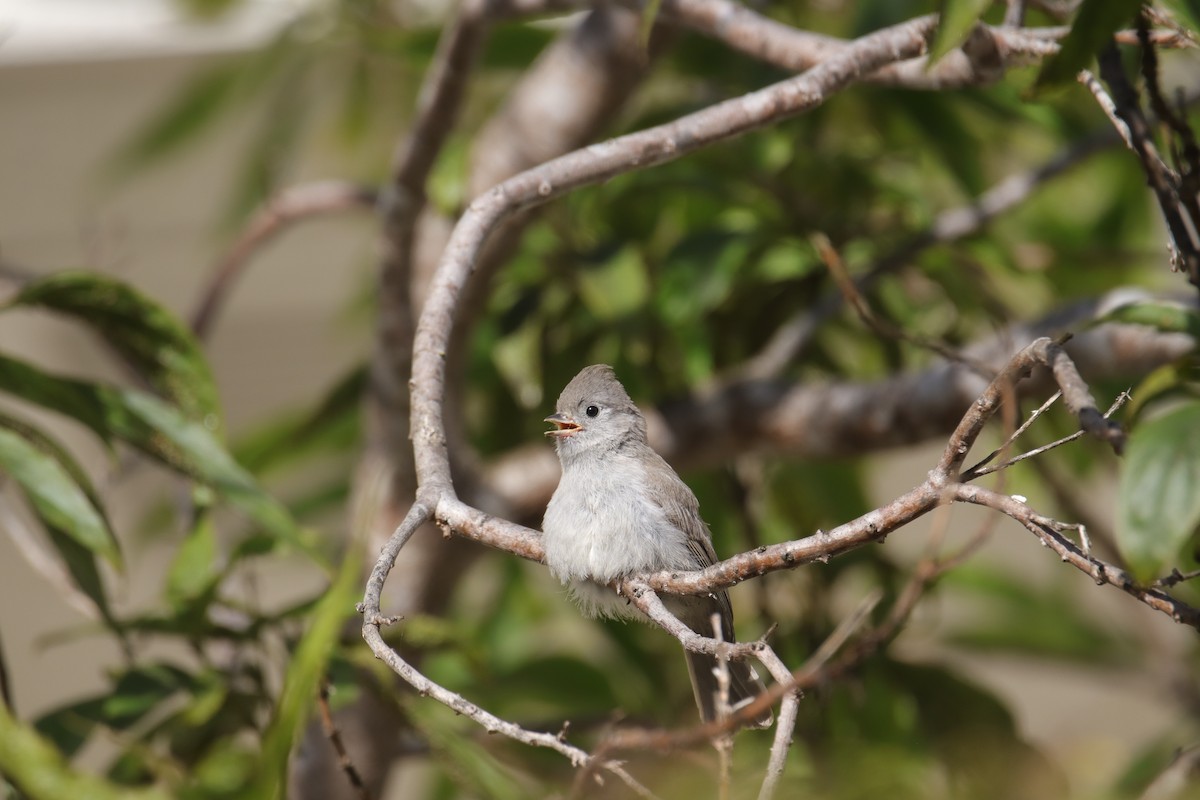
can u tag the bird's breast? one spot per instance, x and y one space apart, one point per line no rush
601 525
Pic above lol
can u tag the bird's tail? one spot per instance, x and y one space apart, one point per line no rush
744 686
744 683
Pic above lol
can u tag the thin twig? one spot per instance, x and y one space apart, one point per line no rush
339 746
292 205
1050 532
1176 577
850 292
1014 14
1042 409
1124 105
979 470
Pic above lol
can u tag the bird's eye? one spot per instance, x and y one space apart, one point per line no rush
592 411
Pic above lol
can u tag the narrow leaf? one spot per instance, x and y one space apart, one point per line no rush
191 112
646 23
70 726
55 496
1096 21
1158 314
193 571
159 431
1158 507
332 425
150 338
39 770
957 19
304 674
84 571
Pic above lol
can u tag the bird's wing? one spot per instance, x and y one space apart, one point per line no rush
682 510
681 507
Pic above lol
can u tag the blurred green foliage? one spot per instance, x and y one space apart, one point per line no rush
675 276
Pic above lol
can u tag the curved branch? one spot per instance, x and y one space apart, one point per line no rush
373 619
290 206
596 163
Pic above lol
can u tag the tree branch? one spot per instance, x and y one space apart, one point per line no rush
437 496
599 162
292 205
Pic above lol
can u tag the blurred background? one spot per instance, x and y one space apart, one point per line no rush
137 137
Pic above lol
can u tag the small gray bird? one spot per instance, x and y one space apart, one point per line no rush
620 510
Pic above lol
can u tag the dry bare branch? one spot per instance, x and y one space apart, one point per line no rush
598 162
1124 109
335 741
288 207
1050 532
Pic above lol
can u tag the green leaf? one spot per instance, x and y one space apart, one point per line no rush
193 572
1028 619
226 769
53 492
151 339
1161 315
201 104
646 23
140 690
39 770
957 18
617 287
84 571
190 112
1158 507
70 726
305 670
158 430
282 112
478 771
191 448
1093 25
1169 380
78 559
333 423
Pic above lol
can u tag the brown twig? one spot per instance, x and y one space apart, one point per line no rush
1124 106
851 294
1014 14
983 467
1050 532
986 55
335 739
788 684
286 208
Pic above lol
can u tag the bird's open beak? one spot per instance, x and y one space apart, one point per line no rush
563 425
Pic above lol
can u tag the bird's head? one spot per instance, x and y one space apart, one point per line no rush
594 414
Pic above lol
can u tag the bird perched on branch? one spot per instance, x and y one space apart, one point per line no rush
620 510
